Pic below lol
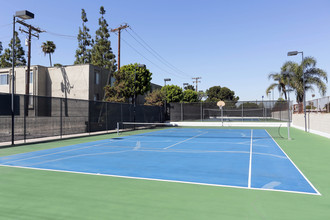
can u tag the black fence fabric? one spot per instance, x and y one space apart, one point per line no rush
232 111
38 117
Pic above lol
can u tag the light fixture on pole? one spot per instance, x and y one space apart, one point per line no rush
294 53
134 89
23 15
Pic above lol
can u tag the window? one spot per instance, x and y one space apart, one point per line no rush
97 78
3 79
31 77
30 100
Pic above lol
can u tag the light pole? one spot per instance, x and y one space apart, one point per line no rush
289 118
294 53
134 89
165 104
23 15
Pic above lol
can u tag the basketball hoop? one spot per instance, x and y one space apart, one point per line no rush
221 104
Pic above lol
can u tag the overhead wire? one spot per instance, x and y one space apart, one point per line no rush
156 54
147 58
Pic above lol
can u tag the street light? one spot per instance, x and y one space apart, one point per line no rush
294 53
23 15
289 118
166 80
134 89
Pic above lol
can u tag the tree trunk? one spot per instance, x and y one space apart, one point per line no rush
50 60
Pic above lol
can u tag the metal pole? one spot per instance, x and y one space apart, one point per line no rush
302 63
165 99
134 103
61 119
201 111
289 138
12 86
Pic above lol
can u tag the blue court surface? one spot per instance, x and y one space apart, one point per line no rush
243 158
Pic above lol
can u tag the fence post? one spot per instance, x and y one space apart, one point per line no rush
106 116
328 105
242 111
201 111
181 112
25 114
61 123
289 138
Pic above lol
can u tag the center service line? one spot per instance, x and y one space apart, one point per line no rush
184 140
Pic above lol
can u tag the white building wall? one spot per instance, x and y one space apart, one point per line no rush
69 82
317 123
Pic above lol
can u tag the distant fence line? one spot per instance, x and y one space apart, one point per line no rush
321 105
232 111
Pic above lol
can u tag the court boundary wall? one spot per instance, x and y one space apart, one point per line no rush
317 123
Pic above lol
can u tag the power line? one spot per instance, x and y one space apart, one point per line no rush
61 35
152 53
147 58
157 54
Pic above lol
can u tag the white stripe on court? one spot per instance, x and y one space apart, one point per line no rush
161 180
58 152
250 162
184 140
318 193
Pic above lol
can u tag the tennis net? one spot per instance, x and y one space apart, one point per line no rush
213 130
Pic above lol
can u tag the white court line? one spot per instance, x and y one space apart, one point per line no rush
184 140
80 155
58 152
318 193
250 161
160 180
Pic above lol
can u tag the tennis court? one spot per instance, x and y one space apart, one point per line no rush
242 158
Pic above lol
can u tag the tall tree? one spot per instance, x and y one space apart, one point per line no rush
102 54
191 87
281 80
83 53
130 81
190 95
313 77
48 47
1 48
217 93
7 58
173 93
155 98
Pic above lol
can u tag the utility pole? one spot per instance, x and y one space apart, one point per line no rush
29 32
27 73
119 30
196 80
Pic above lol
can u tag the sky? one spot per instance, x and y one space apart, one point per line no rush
233 44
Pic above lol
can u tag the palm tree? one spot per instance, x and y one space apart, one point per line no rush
281 80
313 77
48 47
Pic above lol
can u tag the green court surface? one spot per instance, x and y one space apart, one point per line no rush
38 194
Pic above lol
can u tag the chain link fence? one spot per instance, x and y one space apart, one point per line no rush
240 111
321 105
38 117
